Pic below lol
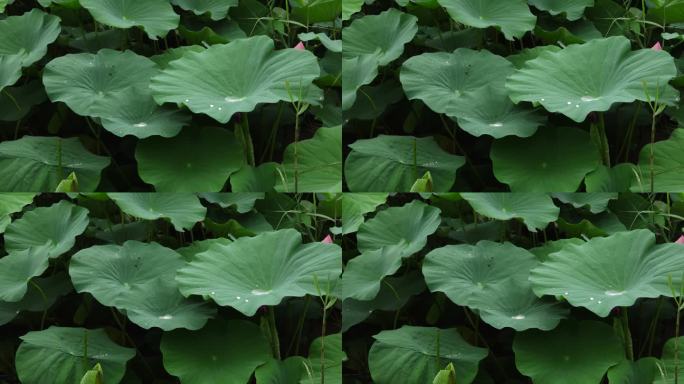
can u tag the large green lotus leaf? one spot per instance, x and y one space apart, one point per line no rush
374 100
668 164
513 17
156 17
11 203
671 362
135 113
441 79
513 304
261 178
287 268
55 227
183 210
171 167
138 278
324 364
217 9
574 352
219 82
415 355
329 44
288 371
196 247
584 78
364 273
555 159
573 9
585 275
536 210
318 165
31 33
597 202
35 300
221 352
382 35
17 269
465 272
644 370
10 70
407 226
394 293
394 163
87 83
356 72
488 111
315 11
667 12
60 355
354 207
48 160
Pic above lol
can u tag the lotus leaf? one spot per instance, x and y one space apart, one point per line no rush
573 9
156 17
217 9
575 352
535 210
11 203
31 33
219 82
414 354
55 228
585 275
183 210
591 77
17 269
512 16
48 160
170 167
57 354
395 162
287 268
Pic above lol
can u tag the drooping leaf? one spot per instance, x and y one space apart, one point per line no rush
382 36
513 17
269 76
17 269
364 273
393 163
415 355
572 9
287 268
591 77
54 228
408 227
183 210
156 17
668 164
11 203
535 210
354 206
31 33
48 160
644 370
217 9
64 355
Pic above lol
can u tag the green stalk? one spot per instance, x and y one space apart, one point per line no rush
605 148
275 342
296 154
245 136
627 335
651 155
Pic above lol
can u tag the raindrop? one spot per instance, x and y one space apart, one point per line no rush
566 293
496 125
165 317
237 297
211 105
569 102
219 108
614 293
246 300
588 98
543 99
187 100
233 99
518 317
140 125
213 292
599 301
591 298
260 292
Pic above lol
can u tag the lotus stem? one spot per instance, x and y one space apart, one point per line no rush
246 137
627 335
603 137
273 330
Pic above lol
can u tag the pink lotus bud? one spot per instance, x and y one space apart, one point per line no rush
327 240
680 240
657 47
299 46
